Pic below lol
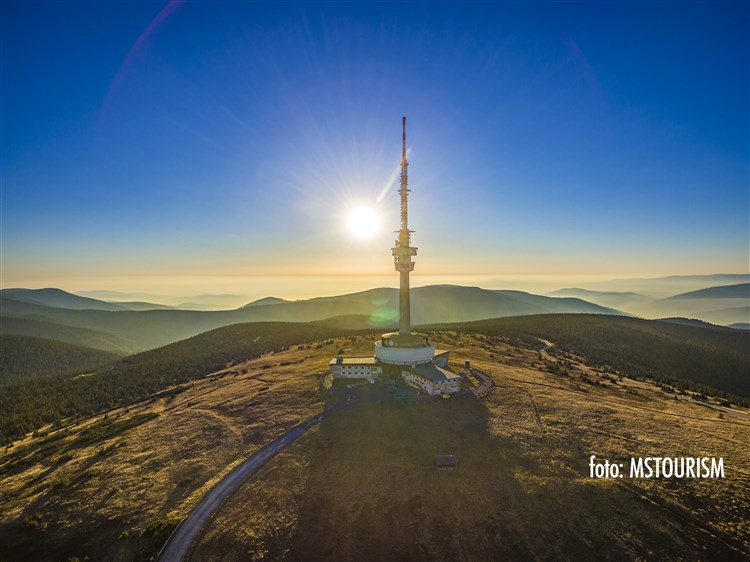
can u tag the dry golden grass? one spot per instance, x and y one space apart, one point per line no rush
98 498
363 485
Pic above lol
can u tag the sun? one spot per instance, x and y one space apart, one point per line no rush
363 222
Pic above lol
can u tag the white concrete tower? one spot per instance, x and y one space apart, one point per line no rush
404 347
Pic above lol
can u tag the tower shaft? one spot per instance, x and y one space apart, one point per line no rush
402 250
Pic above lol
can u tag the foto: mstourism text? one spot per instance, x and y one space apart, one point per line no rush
659 467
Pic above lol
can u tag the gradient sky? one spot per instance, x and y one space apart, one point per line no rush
202 147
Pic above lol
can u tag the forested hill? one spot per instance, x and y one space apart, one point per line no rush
85 337
714 360
22 356
695 357
27 404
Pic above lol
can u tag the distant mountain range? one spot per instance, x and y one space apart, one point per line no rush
740 291
661 287
126 327
723 304
604 298
192 302
726 316
111 326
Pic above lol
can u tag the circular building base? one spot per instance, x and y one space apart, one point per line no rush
404 349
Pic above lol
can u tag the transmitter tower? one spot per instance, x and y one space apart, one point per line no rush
404 347
404 355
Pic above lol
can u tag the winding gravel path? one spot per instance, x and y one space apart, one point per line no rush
179 544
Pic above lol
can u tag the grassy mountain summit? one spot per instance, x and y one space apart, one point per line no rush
363 485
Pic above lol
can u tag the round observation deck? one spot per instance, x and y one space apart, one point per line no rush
400 349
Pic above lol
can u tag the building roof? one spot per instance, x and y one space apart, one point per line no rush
432 372
341 360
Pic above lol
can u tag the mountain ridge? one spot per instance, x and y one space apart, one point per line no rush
153 328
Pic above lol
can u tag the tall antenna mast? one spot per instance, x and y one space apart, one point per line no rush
404 191
403 251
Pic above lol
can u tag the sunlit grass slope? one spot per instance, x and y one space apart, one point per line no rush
364 485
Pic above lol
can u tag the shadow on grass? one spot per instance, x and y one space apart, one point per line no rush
373 491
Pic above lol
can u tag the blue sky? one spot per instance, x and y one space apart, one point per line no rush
220 145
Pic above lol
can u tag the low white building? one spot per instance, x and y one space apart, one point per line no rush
355 368
432 378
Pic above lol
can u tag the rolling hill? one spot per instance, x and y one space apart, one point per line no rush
722 304
725 304
739 291
659 287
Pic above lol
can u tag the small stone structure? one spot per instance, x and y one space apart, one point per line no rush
446 462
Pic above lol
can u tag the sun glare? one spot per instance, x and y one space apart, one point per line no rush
363 222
